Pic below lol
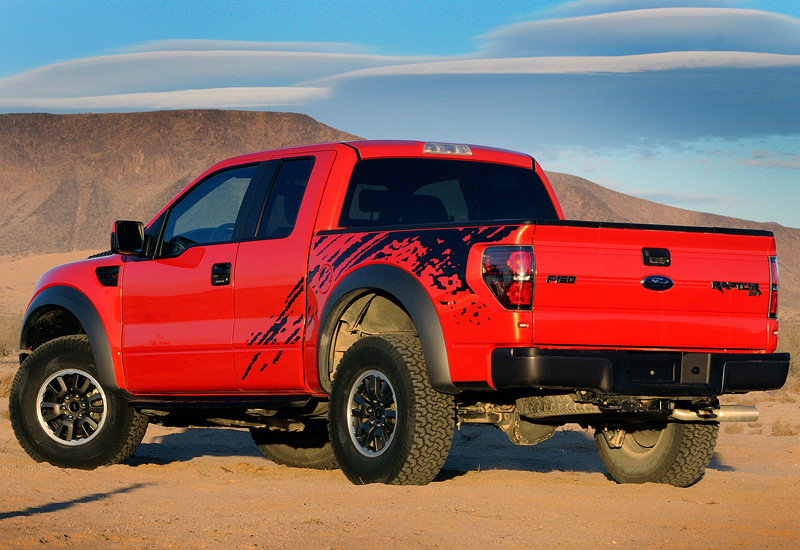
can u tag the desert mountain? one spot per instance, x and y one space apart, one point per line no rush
66 178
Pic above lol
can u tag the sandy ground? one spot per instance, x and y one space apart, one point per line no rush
18 277
211 488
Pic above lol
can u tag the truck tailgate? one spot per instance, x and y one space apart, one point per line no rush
594 287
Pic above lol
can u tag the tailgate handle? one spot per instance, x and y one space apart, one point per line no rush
221 274
656 256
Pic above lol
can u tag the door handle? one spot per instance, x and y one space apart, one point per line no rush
221 274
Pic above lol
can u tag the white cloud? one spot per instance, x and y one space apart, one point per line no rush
568 109
583 100
584 64
648 31
594 7
220 98
762 158
159 71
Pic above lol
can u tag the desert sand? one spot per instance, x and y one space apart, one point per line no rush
18 277
211 488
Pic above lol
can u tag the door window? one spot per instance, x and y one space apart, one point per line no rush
208 213
283 203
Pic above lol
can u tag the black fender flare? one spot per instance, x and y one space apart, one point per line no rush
410 294
77 303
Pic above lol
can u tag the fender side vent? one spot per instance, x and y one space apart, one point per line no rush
107 274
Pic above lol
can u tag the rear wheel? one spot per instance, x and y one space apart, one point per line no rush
310 448
388 425
62 415
676 453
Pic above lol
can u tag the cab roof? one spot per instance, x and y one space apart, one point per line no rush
372 149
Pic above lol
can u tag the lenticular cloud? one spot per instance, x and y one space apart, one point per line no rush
648 31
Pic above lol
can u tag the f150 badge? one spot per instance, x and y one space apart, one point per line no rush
561 279
657 282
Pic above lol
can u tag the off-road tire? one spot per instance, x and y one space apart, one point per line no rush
675 453
419 419
310 448
120 427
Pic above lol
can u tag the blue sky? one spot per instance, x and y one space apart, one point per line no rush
694 104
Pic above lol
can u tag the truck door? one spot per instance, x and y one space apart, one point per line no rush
270 290
177 306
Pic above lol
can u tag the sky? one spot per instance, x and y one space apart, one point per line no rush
695 104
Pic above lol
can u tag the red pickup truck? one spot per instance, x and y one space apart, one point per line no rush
351 303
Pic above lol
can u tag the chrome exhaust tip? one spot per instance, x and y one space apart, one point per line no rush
725 413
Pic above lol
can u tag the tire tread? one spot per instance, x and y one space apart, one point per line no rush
121 447
434 436
431 415
685 462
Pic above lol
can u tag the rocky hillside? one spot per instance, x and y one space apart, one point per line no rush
66 178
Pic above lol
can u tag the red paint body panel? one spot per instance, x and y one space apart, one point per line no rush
608 307
177 327
473 322
270 299
81 276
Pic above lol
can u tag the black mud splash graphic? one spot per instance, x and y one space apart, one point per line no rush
280 326
279 323
274 361
438 258
250 366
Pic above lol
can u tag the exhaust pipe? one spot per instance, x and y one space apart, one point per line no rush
725 413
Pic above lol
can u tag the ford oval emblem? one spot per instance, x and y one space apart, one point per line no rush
657 282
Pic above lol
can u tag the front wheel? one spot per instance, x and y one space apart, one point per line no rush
388 425
675 453
62 415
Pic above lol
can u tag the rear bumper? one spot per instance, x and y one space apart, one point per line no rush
638 373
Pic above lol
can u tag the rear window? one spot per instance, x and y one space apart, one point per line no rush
436 191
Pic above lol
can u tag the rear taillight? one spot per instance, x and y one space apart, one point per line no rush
773 287
508 272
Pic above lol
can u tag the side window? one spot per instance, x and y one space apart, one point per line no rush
207 214
283 202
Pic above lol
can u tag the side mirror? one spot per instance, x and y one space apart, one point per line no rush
127 238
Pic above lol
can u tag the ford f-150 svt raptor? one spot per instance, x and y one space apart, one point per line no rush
351 303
